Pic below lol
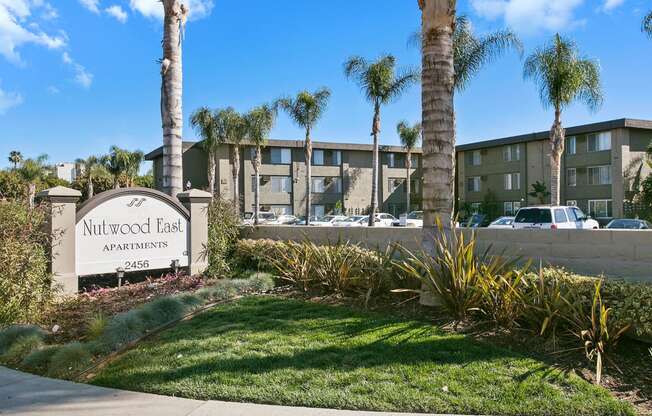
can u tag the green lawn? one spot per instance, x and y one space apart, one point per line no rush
278 351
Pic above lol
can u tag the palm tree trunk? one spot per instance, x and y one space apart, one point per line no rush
236 179
408 184
171 96
89 187
375 131
308 175
438 115
257 162
116 182
557 137
211 174
31 190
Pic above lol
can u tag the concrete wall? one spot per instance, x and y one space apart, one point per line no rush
617 254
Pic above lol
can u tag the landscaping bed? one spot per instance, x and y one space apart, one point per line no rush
291 352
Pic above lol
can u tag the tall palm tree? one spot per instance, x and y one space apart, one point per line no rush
306 110
647 24
259 123
563 77
15 157
132 168
381 85
91 167
175 15
31 171
231 128
410 137
204 123
116 163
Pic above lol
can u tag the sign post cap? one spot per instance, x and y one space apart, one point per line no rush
59 192
195 195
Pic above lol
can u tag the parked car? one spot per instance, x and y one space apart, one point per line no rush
384 220
284 220
629 224
414 219
349 221
553 218
327 220
475 221
263 218
502 222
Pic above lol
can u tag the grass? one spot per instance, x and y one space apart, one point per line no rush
280 351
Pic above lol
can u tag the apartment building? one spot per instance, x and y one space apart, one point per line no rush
341 176
595 168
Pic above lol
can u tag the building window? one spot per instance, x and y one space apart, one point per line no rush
415 186
326 157
571 177
512 181
599 175
512 153
600 208
599 142
318 210
476 158
396 160
473 184
571 145
280 156
318 158
511 208
281 209
281 184
395 183
329 184
571 203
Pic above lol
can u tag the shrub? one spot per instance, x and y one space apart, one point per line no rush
69 360
504 289
96 326
222 234
161 311
122 329
25 284
253 254
261 282
21 348
12 334
39 359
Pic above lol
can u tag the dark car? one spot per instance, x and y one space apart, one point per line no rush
629 224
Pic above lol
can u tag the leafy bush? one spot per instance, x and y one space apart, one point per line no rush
222 234
124 328
21 348
39 359
504 288
25 284
12 186
68 360
101 183
96 326
253 254
12 334
161 311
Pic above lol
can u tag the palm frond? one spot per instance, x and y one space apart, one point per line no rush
404 80
355 66
410 135
259 123
204 124
647 24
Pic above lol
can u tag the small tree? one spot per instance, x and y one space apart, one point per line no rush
116 163
306 110
91 167
205 124
381 85
232 128
410 138
259 123
539 191
563 77
15 157
32 171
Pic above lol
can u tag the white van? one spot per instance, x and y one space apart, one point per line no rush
553 218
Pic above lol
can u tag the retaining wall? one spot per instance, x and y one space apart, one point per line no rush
614 253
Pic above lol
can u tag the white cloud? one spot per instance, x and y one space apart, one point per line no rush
82 76
17 29
49 12
154 8
9 100
531 16
91 5
609 5
117 12
52 90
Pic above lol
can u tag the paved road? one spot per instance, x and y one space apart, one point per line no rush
25 394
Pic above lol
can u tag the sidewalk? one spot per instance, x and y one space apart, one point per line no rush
25 394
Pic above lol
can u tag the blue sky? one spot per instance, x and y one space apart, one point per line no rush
77 76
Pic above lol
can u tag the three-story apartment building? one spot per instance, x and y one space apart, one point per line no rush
595 169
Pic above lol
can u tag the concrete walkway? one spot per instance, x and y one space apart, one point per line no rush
25 394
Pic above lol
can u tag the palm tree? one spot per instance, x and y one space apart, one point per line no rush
132 168
91 167
231 128
31 171
204 123
381 85
306 110
410 138
15 157
259 123
175 13
563 77
116 163
647 24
